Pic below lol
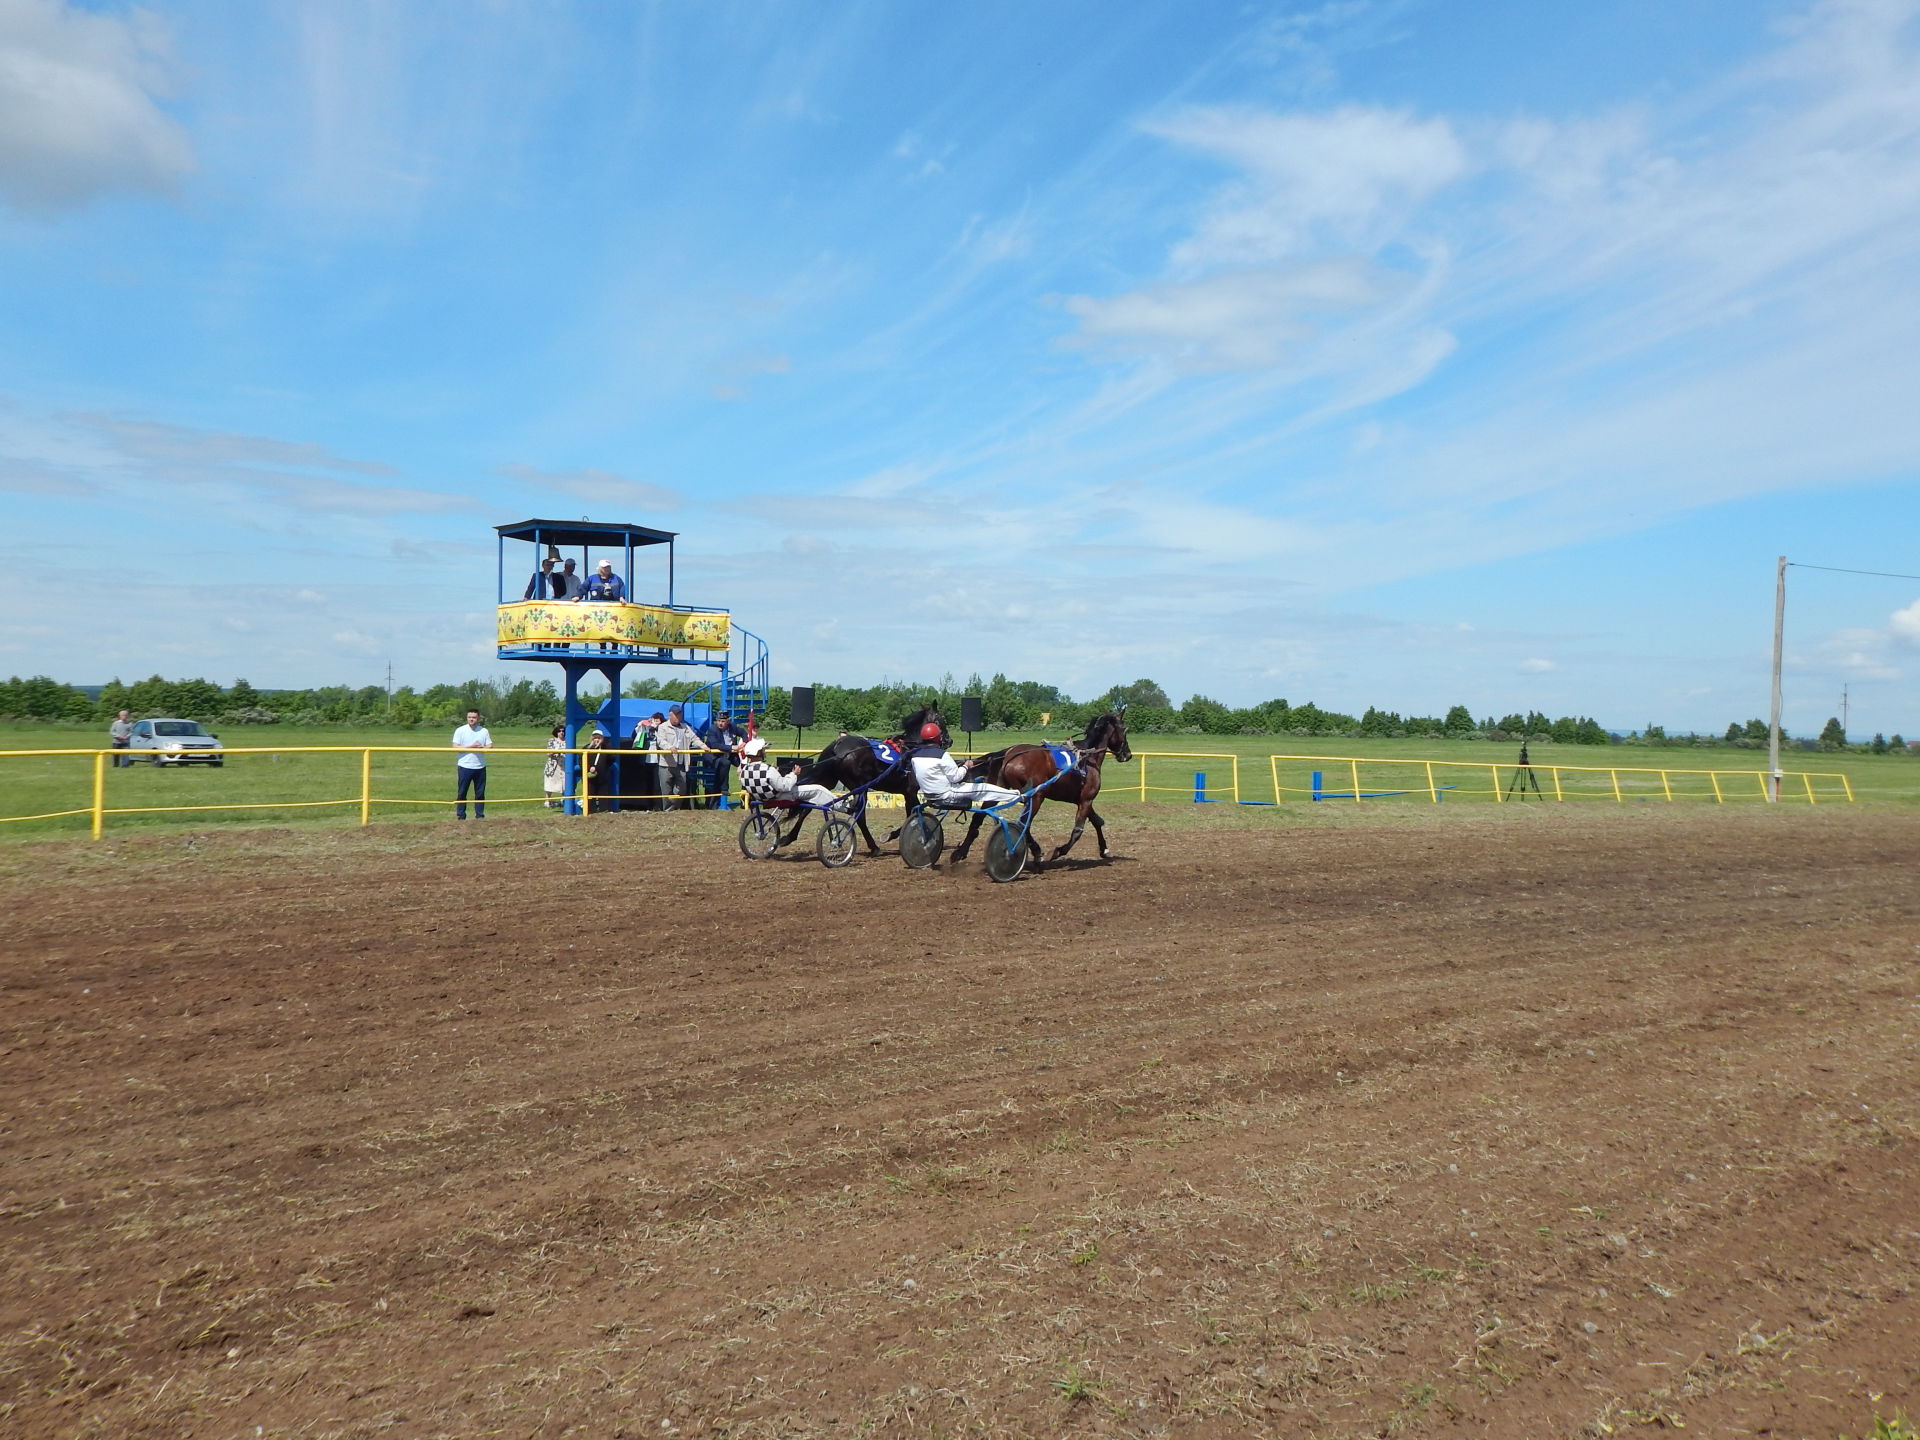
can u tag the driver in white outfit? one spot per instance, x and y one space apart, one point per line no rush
943 780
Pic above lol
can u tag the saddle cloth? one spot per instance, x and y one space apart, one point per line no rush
885 751
1065 758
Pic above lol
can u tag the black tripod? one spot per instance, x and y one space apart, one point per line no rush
1524 779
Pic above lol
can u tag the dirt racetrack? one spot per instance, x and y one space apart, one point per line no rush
1513 1123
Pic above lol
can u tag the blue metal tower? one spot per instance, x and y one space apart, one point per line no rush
536 621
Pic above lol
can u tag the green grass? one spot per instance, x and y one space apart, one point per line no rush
325 788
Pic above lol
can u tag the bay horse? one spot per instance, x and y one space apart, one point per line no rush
850 763
1023 767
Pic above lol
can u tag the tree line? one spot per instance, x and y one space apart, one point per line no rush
874 709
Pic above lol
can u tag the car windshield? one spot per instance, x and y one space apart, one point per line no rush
177 727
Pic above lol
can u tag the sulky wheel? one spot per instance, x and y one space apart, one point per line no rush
921 840
759 835
838 840
1006 854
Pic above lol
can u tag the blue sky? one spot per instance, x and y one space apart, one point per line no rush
1397 353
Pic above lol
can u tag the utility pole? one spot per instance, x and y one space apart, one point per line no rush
389 692
1843 710
1773 723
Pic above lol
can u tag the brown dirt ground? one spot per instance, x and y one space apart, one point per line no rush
1516 1124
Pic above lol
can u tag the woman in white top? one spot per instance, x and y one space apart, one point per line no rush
553 779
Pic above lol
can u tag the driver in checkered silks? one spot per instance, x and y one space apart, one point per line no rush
766 784
945 782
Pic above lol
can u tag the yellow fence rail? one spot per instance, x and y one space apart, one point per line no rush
1208 776
1361 779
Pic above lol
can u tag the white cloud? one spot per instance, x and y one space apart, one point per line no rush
1345 179
1536 667
1243 320
1905 623
78 111
597 487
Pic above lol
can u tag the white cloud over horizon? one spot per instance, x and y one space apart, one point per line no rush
79 106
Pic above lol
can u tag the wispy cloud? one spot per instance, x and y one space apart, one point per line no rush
80 111
596 487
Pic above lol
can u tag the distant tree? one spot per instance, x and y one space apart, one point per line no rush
1734 734
1140 693
1896 746
1653 733
1833 735
1758 730
1459 721
1206 714
1879 744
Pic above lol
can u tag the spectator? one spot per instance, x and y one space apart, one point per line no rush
553 779
606 587
120 736
672 742
472 741
720 736
542 586
566 585
594 773
649 778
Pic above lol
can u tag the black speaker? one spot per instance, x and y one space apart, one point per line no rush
970 720
802 715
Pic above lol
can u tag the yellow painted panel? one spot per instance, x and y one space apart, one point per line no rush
549 622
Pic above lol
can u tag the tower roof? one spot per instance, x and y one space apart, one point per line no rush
585 532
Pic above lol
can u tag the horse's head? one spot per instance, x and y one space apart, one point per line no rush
1109 732
910 727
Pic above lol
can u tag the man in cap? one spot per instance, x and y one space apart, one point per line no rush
672 742
566 584
605 586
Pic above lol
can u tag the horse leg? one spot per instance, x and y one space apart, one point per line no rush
860 819
1079 824
979 818
912 796
794 834
1099 833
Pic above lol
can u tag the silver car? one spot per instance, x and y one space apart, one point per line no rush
175 742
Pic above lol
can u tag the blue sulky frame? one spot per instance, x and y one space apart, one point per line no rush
731 689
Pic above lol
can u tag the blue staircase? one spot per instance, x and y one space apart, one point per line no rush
740 691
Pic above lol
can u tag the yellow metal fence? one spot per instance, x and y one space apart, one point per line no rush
1153 775
1356 780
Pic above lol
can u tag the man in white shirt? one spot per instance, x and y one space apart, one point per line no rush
472 741
567 585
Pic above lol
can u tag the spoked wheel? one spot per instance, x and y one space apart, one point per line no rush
1006 853
838 840
921 840
759 835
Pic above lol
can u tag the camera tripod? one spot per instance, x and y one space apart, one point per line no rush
1524 780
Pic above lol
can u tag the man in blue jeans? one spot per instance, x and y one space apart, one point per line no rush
473 742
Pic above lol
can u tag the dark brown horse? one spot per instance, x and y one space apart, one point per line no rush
1023 767
849 762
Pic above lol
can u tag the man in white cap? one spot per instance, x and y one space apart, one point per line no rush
566 585
605 586
765 783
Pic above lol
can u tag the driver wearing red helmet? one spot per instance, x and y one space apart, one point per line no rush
944 781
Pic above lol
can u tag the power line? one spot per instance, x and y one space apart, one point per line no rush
1837 570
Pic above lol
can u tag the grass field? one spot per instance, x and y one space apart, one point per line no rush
324 788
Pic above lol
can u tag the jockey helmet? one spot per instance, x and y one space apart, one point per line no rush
930 731
753 747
